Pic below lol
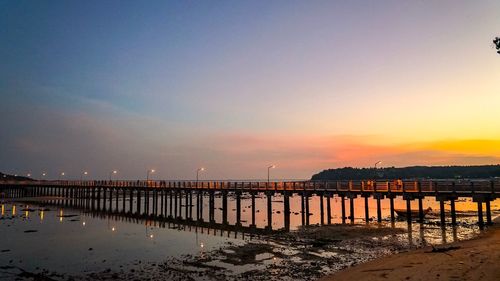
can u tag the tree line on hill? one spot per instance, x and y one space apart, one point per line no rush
414 172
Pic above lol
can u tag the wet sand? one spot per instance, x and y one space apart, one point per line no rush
475 259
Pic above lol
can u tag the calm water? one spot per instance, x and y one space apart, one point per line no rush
75 241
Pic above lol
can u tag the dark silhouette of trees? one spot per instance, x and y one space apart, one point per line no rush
414 172
496 41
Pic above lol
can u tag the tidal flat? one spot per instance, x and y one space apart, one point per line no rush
50 242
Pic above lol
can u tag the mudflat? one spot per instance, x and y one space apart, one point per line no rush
476 259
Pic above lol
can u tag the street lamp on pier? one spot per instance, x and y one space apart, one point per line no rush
111 174
148 173
268 172
198 174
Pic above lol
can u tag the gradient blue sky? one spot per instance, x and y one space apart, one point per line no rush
235 86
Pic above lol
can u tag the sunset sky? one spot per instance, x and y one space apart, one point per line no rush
234 86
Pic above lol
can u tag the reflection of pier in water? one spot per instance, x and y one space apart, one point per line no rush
182 224
167 198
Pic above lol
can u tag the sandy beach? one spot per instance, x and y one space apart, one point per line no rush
475 259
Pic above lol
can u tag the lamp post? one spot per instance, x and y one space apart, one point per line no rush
198 174
61 175
376 163
85 173
268 172
148 173
111 174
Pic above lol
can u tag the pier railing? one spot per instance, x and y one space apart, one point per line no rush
370 186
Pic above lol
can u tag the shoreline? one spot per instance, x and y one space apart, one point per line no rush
473 259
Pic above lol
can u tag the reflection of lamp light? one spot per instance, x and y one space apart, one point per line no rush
3 209
14 210
61 215
41 215
202 245
148 234
83 223
113 228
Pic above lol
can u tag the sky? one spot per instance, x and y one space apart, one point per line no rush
235 86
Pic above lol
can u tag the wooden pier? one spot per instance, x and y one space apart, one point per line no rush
165 197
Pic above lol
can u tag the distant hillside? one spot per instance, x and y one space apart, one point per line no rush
414 172
6 177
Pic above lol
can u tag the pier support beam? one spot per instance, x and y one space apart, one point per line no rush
124 197
170 203
307 208
351 208
302 207
322 208
224 207
391 202
162 207
238 208
138 201
200 205
408 210
453 213
180 204
420 210
480 213
442 214
488 212
269 210
175 204
188 205
379 210
253 210
286 211
342 201
211 206
104 199
131 200
367 212
329 208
